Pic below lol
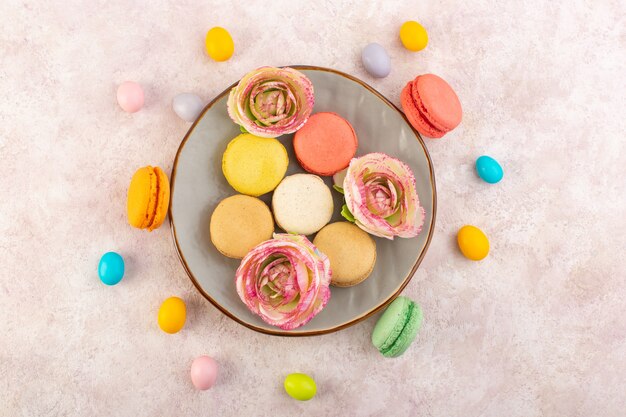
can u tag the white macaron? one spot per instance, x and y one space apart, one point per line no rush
302 204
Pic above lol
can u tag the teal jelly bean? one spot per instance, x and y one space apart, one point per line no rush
489 169
111 268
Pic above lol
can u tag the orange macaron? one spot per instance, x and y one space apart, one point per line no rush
148 198
325 144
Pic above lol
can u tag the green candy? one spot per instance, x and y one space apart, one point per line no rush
300 386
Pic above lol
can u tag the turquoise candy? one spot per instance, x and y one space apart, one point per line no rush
111 268
489 169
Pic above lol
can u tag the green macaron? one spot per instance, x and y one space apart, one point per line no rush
397 327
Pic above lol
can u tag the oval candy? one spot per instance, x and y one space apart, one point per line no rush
300 386
111 268
376 60
489 169
473 243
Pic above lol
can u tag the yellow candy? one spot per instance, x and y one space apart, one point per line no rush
473 243
413 36
172 315
219 44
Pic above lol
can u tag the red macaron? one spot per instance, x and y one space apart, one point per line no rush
325 144
431 105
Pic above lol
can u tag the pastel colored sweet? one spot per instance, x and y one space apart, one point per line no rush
473 243
204 371
219 44
489 169
270 102
300 386
130 96
148 198
284 281
351 251
239 223
431 105
325 144
302 204
172 315
254 165
397 327
376 60
381 197
111 268
413 36
187 106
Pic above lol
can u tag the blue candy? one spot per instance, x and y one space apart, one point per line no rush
111 268
489 169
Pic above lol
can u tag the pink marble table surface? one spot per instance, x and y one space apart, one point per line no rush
537 329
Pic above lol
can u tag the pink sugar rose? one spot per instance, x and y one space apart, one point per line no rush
381 196
284 280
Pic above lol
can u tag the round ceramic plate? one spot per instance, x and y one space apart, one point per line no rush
198 185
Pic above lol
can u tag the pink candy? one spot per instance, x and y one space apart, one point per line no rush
203 372
130 96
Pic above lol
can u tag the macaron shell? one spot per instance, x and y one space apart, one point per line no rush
302 204
238 224
163 199
415 117
325 144
142 197
352 252
437 101
253 165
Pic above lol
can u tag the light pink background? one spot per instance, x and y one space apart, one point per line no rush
537 329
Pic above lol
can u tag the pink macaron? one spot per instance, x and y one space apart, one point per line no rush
431 105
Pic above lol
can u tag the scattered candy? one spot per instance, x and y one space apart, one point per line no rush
376 60
111 268
489 169
203 372
219 44
473 243
130 96
187 106
413 36
300 386
172 315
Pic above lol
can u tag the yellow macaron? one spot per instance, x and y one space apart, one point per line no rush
253 165
148 198
239 223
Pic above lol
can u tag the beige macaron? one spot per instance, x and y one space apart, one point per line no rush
302 204
351 251
239 223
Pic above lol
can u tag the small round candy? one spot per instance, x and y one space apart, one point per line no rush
219 44
413 36
376 60
473 243
187 106
489 169
111 268
172 315
300 386
130 96
203 372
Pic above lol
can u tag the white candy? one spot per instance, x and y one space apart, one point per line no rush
187 106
